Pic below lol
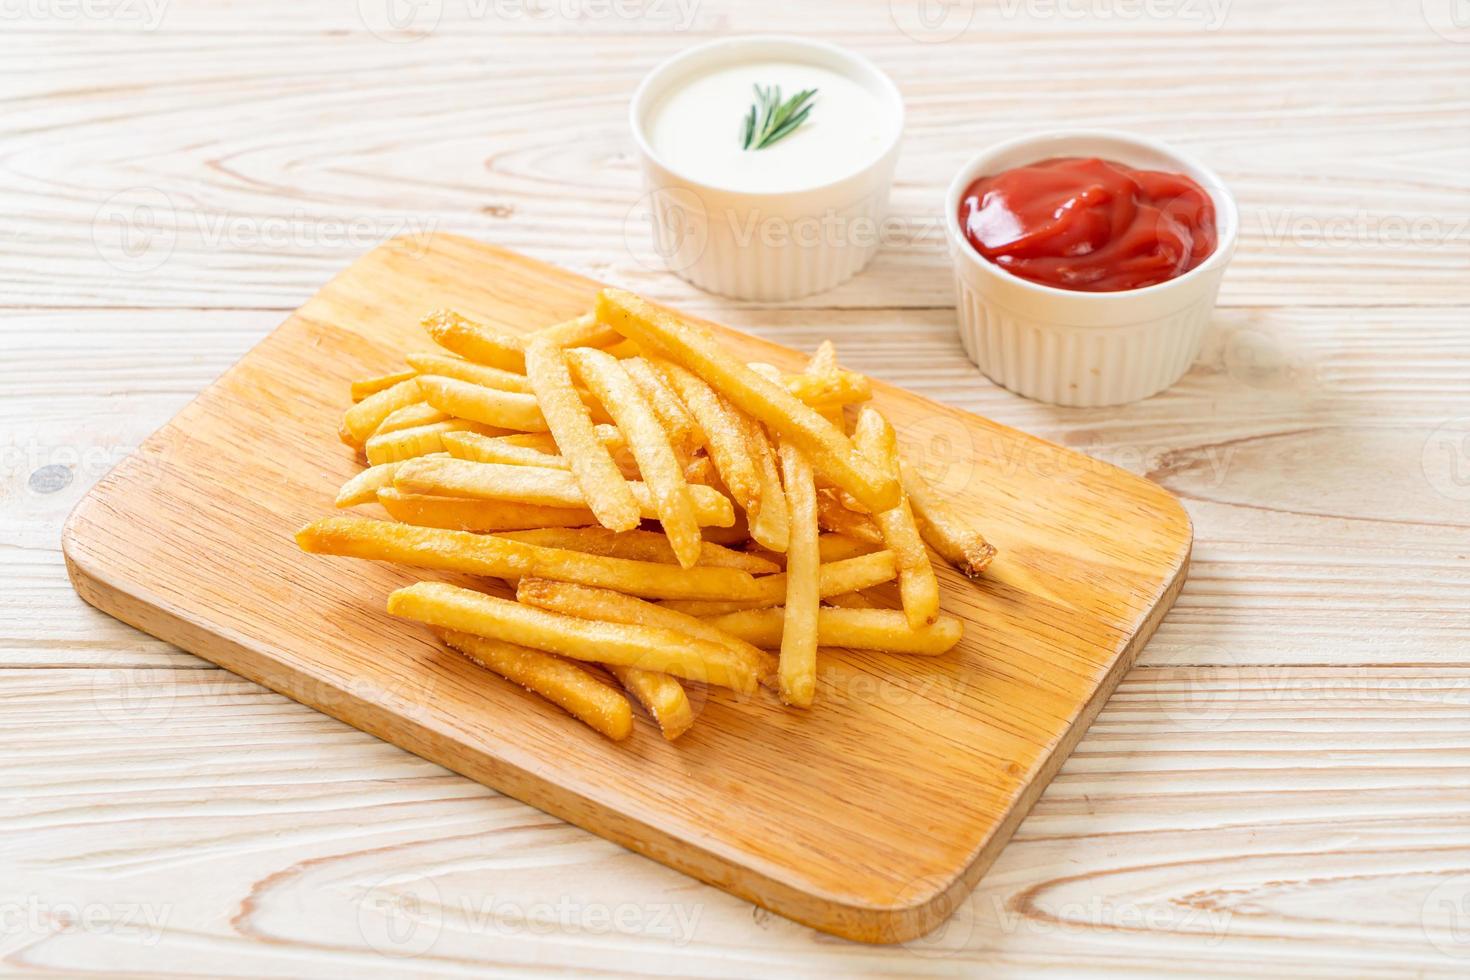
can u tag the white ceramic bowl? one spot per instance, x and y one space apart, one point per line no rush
757 245
1077 348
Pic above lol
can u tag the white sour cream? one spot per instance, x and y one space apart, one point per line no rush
697 129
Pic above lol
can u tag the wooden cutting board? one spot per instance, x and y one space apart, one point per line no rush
870 816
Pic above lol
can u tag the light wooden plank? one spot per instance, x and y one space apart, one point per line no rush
249 220
1218 823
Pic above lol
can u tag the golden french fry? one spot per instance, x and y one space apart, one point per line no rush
491 406
483 554
824 382
545 486
833 516
683 431
836 578
363 387
826 394
736 535
421 440
475 341
828 451
539 441
829 392
824 363
836 547
824 360
649 444
876 440
501 449
559 681
798 670
432 363
582 331
644 647
663 696
851 600
858 572
604 489
724 433
701 470
831 547
460 514
610 436
410 417
362 420
511 448
497 450
594 408
363 488
851 503
770 524
856 628
617 607
639 546
823 385
449 366
946 532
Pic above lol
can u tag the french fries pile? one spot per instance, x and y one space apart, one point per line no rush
664 513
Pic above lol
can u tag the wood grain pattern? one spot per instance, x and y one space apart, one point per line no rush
1347 180
1291 743
190 540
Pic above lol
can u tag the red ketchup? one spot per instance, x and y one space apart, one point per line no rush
1089 224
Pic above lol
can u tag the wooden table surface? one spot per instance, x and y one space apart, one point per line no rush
1281 786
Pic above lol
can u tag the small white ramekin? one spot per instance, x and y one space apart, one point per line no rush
755 245
1077 348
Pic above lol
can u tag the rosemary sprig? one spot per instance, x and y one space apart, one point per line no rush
771 120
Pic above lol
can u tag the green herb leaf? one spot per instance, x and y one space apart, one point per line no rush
771 120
